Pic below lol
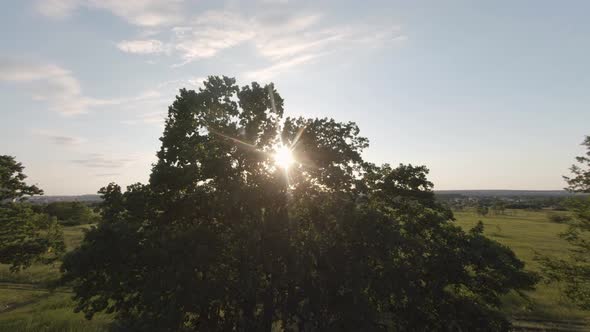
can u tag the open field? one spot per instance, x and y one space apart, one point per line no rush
27 303
530 233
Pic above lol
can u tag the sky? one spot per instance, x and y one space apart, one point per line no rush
487 94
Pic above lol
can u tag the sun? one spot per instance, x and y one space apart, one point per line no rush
283 157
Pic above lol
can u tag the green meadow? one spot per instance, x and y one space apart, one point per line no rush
530 234
30 302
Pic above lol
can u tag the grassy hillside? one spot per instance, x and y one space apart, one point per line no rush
28 304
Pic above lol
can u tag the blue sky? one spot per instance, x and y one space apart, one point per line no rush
488 95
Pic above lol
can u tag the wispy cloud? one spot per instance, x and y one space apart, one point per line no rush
189 83
274 1
166 91
279 67
18 71
59 138
215 31
49 83
300 39
147 118
97 160
148 46
107 174
58 88
284 41
210 33
65 140
57 8
147 13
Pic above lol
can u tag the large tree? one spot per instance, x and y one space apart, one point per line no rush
25 236
228 235
574 272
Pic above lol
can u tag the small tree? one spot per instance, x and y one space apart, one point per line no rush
25 236
559 218
482 210
498 207
575 272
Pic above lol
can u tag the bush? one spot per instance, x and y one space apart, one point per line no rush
559 218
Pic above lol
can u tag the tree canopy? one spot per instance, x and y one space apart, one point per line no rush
574 272
580 180
70 213
223 238
25 236
12 184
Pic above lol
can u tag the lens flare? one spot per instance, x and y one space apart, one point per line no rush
283 157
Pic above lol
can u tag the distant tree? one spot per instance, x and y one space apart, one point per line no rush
498 207
224 239
575 271
482 210
25 236
559 218
71 213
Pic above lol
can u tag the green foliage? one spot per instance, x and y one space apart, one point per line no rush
559 218
71 213
223 239
483 210
575 272
25 236
498 207
12 185
580 181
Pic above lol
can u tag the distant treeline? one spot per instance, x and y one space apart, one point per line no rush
506 193
458 201
90 199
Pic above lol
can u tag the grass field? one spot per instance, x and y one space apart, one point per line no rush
529 234
28 304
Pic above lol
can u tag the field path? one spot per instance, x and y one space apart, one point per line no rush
8 307
547 325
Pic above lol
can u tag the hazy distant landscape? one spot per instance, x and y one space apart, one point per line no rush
467 193
505 193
